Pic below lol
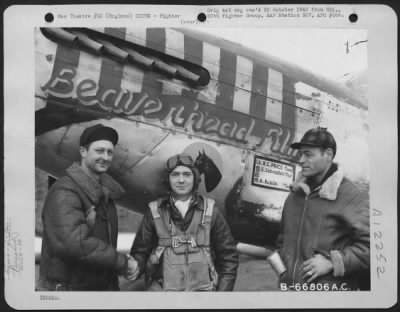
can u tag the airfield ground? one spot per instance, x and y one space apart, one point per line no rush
254 274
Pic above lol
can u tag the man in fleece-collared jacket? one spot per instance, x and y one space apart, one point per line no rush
324 240
80 224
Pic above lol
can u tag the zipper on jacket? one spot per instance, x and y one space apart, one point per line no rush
298 237
186 250
186 263
300 230
105 208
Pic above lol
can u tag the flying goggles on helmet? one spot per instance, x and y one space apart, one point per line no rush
179 160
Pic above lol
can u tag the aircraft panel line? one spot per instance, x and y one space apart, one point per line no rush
289 111
242 96
132 78
89 66
213 54
226 78
259 88
111 71
151 78
274 106
150 151
136 36
175 43
193 50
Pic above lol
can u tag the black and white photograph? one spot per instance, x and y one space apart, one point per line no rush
205 157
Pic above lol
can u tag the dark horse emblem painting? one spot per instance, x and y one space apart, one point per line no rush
212 175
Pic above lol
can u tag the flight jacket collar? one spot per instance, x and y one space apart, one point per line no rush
328 190
107 187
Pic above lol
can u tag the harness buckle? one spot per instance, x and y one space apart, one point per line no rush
178 241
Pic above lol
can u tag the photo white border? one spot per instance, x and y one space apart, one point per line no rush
19 178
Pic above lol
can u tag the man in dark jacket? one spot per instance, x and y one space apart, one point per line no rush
80 222
324 240
184 242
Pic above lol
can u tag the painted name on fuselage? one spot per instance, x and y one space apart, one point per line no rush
183 112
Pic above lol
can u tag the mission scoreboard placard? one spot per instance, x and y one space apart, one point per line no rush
273 174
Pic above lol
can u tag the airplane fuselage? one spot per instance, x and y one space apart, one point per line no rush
168 91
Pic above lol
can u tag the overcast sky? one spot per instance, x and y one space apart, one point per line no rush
322 51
